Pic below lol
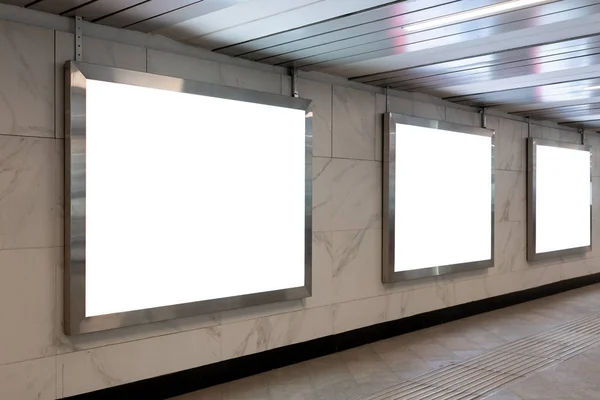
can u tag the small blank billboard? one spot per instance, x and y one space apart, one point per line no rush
438 198
559 199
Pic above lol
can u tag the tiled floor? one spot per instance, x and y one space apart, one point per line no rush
366 370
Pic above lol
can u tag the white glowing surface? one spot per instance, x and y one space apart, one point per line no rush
443 198
562 199
189 198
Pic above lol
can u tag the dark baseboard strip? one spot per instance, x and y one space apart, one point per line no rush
178 383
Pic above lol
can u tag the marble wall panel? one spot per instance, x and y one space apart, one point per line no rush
511 199
162 63
462 117
429 111
256 335
27 303
510 247
26 80
359 313
29 380
321 94
346 194
234 75
31 192
509 142
85 371
353 124
356 264
322 270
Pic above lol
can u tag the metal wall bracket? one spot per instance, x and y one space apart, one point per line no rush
582 133
294 75
387 99
483 120
78 39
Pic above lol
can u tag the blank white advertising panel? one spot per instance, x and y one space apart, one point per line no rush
560 199
442 188
190 198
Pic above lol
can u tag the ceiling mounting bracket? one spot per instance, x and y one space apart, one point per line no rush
294 75
582 133
78 39
483 120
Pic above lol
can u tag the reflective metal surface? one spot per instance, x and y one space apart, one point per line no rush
535 57
151 15
397 41
144 16
389 199
572 90
76 322
580 110
532 255
514 63
341 30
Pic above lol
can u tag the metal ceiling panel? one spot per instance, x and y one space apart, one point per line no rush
57 6
591 124
331 30
92 11
558 112
530 55
19 3
541 80
186 13
366 33
548 33
502 71
545 108
255 10
397 41
302 16
537 94
578 119
143 11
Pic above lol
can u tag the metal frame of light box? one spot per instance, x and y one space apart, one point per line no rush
75 320
532 144
389 199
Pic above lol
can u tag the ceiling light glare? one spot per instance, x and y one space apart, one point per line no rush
471 14
592 88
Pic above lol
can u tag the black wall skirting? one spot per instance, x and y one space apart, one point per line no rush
175 384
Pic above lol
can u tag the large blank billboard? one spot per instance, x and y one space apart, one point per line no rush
438 200
559 199
186 198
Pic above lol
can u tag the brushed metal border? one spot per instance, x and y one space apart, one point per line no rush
532 255
75 321
389 199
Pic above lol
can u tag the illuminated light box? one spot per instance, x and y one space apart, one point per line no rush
438 198
559 200
185 198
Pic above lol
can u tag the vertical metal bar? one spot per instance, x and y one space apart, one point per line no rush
582 133
387 99
483 119
528 127
78 39
294 75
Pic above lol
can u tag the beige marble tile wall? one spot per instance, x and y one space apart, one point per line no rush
38 362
